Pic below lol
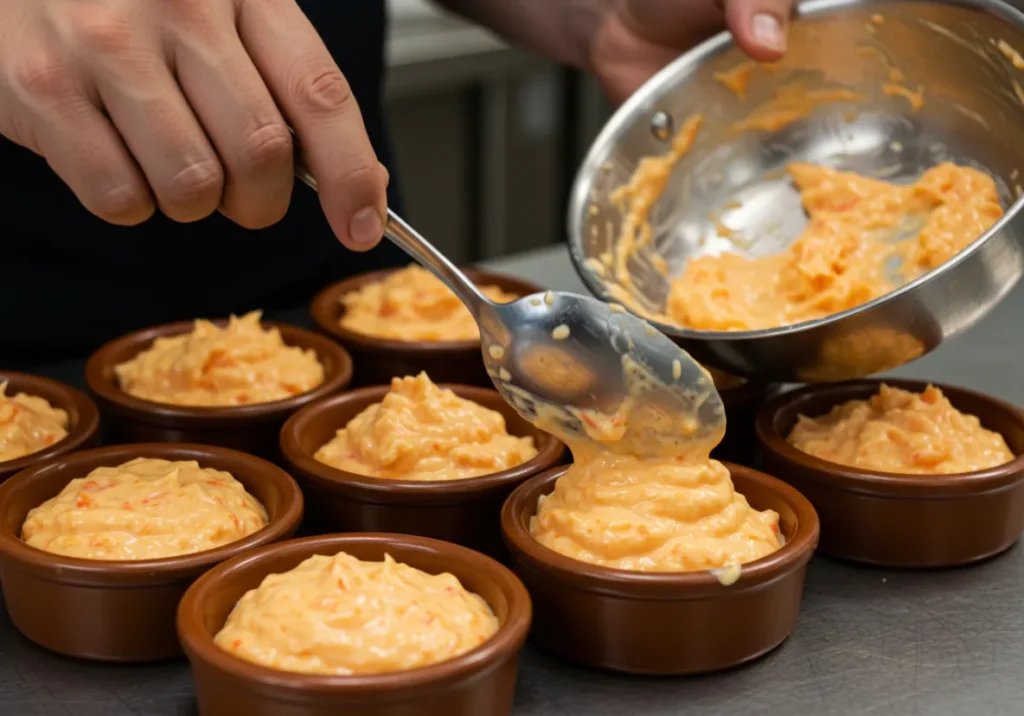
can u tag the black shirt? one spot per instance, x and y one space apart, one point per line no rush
69 281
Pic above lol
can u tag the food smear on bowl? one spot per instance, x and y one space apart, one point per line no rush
28 424
840 260
341 616
654 515
239 364
422 432
146 508
413 305
864 238
900 431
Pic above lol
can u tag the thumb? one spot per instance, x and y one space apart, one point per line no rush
760 26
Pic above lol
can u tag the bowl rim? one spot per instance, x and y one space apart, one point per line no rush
150 572
653 586
102 381
648 95
323 310
199 645
388 491
878 482
84 429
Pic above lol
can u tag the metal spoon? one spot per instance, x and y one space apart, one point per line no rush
578 367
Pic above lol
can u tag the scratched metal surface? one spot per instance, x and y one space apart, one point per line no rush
868 641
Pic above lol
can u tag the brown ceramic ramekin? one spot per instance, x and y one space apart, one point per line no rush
249 428
478 683
661 623
120 611
743 401
464 511
83 417
898 520
378 360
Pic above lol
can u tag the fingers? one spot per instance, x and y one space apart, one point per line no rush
316 99
124 57
45 106
760 26
235 107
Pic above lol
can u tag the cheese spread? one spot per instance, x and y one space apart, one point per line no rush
144 509
238 364
422 432
28 424
340 616
413 305
660 515
900 431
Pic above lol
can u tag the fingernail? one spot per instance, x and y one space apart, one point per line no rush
366 227
767 32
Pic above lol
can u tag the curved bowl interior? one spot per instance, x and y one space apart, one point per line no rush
83 417
208 602
970 114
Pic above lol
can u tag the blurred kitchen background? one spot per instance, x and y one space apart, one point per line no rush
487 137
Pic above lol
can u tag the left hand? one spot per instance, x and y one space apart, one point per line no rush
636 38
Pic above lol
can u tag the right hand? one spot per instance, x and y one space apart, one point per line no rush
178 104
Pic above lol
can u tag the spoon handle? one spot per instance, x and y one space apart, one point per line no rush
412 243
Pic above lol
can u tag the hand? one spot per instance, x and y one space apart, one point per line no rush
636 38
178 104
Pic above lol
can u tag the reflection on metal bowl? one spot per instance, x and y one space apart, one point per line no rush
890 89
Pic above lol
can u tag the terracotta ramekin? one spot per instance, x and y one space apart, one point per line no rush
83 417
898 520
249 428
378 360
120 611
464 511
478 683
660 623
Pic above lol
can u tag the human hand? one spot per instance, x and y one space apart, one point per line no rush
178 104
636 38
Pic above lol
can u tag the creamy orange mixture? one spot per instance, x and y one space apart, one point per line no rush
340 615
839 261
422 432
903 432
144 509
667 515
413 305
236 365
28 424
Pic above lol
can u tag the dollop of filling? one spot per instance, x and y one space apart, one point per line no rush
664 515
901 431
422 432
144 509
28 424
238 364
340 615
413 305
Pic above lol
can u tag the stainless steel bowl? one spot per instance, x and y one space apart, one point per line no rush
973 114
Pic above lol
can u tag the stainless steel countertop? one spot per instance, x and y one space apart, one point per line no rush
869 641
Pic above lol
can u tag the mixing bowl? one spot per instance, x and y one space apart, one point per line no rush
961 53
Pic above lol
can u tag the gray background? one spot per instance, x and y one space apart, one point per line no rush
868 641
